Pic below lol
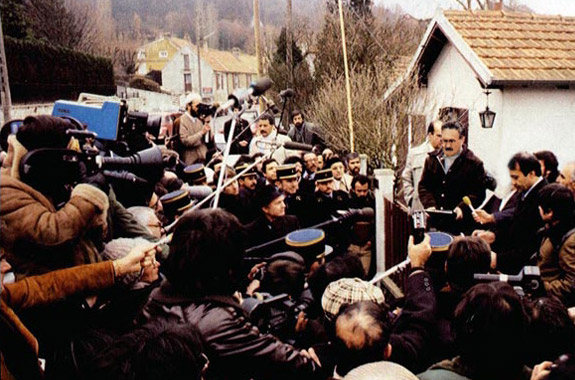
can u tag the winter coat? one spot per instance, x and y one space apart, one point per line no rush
557 265
192 139
36 237
19 346
236 348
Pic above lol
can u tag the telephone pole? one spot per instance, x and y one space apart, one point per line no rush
5 96
289 42
258 44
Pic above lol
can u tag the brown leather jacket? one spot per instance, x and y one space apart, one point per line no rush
19 346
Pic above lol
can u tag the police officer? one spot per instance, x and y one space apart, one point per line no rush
326 200
296 202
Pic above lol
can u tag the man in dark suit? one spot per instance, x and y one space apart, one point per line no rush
272 223
516 241
449 175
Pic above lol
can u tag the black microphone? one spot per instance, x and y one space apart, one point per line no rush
287 93
365 213
124 176
256 88
297 146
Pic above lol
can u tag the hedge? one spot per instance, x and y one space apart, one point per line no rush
39 72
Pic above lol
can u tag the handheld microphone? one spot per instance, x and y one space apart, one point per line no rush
287 93
467 201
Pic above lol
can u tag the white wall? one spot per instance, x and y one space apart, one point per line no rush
528 119
452 83
536 119
173 72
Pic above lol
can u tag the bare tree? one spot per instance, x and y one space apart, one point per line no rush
65 23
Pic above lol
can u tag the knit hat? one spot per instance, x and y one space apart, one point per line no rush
119 248
348 291
383 370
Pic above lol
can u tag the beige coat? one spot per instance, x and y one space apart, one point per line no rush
36 237
192 138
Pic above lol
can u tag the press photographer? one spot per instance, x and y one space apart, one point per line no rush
274 299
54 214
195 135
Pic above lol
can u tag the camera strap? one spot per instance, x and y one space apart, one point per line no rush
566 236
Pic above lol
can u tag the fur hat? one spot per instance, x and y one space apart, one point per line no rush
44 131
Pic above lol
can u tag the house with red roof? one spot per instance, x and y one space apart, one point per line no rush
526 62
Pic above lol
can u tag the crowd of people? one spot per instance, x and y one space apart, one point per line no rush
268 277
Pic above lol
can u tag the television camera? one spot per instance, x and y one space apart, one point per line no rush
527 283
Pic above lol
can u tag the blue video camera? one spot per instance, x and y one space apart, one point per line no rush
113 123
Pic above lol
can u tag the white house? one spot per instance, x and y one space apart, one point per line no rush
176 60
526 61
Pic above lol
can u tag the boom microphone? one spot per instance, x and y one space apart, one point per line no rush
287 93
256 88
287 144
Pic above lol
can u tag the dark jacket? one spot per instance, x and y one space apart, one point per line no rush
307 134
445 191
322 207
517 242
411 336
245 136
19 346
236 348
262 231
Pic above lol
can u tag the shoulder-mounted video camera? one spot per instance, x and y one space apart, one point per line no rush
276 315
119 129
527 283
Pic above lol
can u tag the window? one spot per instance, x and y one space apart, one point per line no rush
187 82
186 61
163 54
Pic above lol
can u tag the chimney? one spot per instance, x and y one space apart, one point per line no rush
495 5
236 52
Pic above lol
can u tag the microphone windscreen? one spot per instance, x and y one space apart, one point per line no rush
297 146
287 93
261 85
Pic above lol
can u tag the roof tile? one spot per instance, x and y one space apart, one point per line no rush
519 46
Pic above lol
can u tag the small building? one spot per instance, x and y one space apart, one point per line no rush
175 62
525 61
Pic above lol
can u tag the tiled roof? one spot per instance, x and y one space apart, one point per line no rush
519 46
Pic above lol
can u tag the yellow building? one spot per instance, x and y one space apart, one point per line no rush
174 63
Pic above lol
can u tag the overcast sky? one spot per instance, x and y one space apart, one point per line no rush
427 8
